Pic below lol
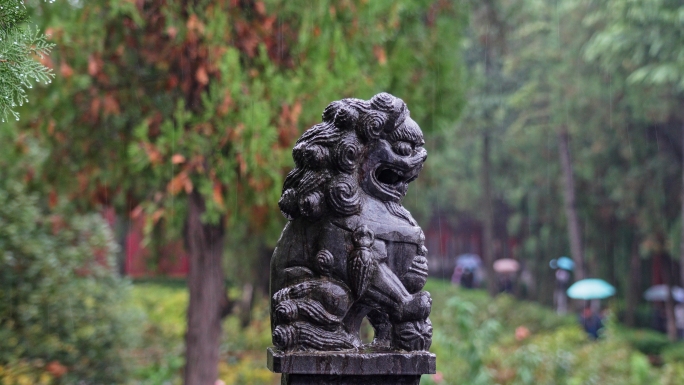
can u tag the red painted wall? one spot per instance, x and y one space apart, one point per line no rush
140 262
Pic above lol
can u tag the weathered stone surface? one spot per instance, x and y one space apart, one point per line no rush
352 363
320 379
351 251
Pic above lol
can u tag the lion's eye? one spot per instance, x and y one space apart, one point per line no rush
402 148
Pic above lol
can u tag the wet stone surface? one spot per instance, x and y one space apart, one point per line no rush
342 368
309 379
350 251
352 363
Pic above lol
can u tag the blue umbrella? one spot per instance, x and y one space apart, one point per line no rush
564 263
590 288
468 261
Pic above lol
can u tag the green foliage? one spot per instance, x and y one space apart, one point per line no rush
64 311
20 46
159 357
642 37
478 340
536 67
674 353
155 100
504 341
649 342
256 101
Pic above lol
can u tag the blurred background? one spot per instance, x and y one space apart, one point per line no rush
144 144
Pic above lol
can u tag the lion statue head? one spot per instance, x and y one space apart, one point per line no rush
362 149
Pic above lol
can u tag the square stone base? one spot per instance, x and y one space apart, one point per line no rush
351 367
320 379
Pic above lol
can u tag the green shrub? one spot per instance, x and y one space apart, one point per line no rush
673 353
483 340
64 313
649 342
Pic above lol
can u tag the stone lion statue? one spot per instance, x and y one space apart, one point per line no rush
350 249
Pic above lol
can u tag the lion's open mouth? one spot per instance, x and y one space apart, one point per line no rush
389 176
393 181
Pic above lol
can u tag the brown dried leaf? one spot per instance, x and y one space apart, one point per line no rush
187 185
380 54
93 66
111 106
260 8
226 104
65 69
172 32
194 24
201 75
51 127
242 164
153 154
136 212
95 107
157 215
177 159
177 183
218 195
56 369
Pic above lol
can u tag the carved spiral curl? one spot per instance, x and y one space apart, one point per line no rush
287 311
347 153
285 337
343 195
335 147
346 118
331 110
288 203
312 205
383 102
371 125
281 295
325 261
315 156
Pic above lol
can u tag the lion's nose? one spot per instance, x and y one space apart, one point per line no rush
423 154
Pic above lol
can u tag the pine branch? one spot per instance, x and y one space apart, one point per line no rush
20 47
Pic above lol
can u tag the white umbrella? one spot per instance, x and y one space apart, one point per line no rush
506 265
659 293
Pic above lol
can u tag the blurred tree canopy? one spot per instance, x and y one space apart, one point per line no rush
185 112
64 310
608 72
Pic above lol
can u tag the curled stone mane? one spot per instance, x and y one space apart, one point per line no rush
328 155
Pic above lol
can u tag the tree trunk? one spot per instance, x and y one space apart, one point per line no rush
488 211
633 285
208 301
671 325
574 233
681 241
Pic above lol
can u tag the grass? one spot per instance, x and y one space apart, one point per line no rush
477 339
